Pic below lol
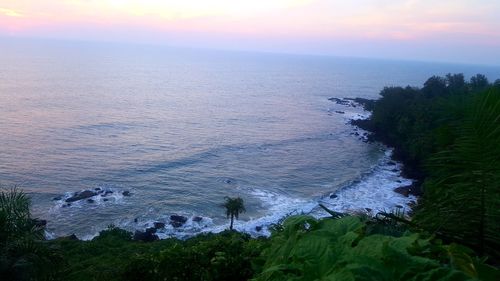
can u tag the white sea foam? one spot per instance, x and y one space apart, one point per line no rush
373 193
370 194
105 195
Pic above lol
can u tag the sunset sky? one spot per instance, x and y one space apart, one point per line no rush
445 30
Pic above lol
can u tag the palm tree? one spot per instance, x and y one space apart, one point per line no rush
23 255
234 207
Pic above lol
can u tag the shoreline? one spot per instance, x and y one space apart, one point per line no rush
382 188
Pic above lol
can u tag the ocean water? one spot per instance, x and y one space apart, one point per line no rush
180 129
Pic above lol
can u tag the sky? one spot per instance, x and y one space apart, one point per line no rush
431 30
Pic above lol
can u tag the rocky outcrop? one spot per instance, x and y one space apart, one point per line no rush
81 195
413 189
158 225
146 236
177 220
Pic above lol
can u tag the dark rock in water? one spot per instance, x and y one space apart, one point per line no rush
97 189
39 223
339 112
90 200
126 193
105 199
228 181
57 198
177 220
399 181
197 219
403 190
71 237
394 170
146 236
399 206
158 225
258 228
136 220
176 224
81 195
391 163
344 102
66 205
106 193
368 209
413 189
412 204
333 196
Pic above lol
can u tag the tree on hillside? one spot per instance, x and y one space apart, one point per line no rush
434 86
497 83
234 207
479 82
455 82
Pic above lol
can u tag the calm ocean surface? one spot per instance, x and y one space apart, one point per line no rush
181 129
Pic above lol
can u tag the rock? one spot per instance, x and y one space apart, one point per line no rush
81 195
333 196
66 205
403 190
399 206
71 237
146 236
258 228
394 170
126 193
177 220
97 189
105 199
368 210
90 200
412 204
136 220
106 193
391 163
158 225
341 101
176 224
57 198
39 223
413 189
228 181
399 181
339 112
197 219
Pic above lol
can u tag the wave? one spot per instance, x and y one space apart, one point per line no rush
371 193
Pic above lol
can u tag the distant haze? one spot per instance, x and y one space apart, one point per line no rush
448 30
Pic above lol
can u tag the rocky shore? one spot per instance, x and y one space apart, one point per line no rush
370 134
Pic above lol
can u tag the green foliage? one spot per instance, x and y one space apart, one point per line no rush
342 249
447 134
462 199
113 256
23 256
234 207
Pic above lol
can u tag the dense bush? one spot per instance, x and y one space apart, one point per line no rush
114 256
447 134
23 253
346 249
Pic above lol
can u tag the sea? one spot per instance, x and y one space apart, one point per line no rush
162 131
